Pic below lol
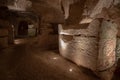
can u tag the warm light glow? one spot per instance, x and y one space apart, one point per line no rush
63 45
55 58
12 7
19 41
70 70
86 20
65 33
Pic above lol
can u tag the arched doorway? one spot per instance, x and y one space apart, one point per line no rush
23 28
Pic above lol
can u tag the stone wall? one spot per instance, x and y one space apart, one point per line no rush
6 25
3 38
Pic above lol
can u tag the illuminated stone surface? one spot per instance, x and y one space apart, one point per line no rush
80 45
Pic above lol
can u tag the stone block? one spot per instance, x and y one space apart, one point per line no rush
80 45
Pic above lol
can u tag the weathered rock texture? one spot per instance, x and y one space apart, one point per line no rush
104 4
118 48
75 12
96 45
19 5
80 45
49 11
107 45
100 5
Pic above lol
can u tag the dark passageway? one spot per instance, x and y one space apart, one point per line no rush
23 28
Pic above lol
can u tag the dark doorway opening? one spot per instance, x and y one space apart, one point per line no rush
23 28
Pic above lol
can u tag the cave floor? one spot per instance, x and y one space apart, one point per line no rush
21 62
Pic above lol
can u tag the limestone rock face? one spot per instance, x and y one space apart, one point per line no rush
107 45
55 11
49 11
103 4
19 5
100 5
75 12
80 45
118 48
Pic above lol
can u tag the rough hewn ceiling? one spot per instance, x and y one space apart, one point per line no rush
54 11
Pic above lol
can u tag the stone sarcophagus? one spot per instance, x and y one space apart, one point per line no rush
80 45
93 47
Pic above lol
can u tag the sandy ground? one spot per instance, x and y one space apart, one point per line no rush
22 62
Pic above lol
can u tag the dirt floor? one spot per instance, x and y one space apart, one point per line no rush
22 62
